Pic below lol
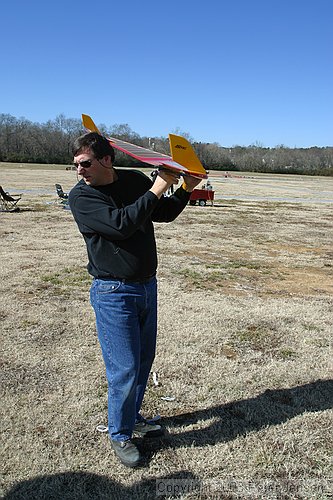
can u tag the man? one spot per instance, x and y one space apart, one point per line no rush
115 210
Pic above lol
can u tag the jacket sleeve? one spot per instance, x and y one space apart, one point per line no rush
96 214
169 207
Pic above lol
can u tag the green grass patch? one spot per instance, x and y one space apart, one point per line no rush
69 277
310 327
28 323
237 264
287 353
253 335
205 279
193 278
262 337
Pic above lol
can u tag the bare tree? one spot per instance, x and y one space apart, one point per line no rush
50 142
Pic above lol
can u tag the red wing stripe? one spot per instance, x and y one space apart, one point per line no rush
146 155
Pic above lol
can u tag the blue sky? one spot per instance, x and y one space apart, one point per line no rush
237 72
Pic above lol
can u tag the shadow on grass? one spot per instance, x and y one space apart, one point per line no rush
88 486
273 407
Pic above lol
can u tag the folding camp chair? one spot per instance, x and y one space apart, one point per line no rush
63 197
60 192
8 202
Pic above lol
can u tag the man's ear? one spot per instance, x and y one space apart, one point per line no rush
107 161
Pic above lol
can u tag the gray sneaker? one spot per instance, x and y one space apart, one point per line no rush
148 429
127 452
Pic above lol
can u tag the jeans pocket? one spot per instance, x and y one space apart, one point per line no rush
108 287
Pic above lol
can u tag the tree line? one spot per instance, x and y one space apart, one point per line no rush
24 141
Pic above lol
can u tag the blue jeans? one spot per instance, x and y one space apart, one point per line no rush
126 321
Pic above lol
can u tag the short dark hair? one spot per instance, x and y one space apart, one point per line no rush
98 144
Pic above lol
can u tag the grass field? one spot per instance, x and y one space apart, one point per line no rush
244 347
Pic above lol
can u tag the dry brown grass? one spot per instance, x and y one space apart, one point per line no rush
244 347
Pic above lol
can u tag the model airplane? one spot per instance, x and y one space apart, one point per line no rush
184 160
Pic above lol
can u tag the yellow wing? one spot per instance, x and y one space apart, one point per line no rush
89 124
182 152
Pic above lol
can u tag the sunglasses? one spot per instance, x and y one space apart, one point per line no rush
83 163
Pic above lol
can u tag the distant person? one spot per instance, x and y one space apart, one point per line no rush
114 210
209 187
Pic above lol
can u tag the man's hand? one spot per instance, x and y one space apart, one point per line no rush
190 183
164 179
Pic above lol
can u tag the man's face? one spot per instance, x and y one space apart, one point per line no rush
94 172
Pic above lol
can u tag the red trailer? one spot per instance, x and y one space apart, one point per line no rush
201 196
